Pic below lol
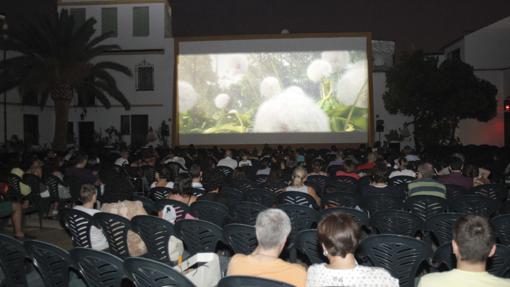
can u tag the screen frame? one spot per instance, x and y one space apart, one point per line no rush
366 35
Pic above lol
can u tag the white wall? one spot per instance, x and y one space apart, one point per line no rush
488 48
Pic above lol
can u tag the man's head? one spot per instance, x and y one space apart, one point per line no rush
473 239
81 160
228 153
88 193
426 170
456 163
272 228
195 171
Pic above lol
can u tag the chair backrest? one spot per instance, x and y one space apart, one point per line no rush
358 215
345 180
225 171
155 233
115 228
443 258
454 192
240 237
440 226
400 255
51 261
375 203
332 169
397 222
261 196
12 261
501 225
78 223
13 181
297 198
401 179
246 212
146 272
52 182
301 217
317 181
249 281
181 208
211 211
425 206
492 191
339 199
475 204
98 268
199 235
261 178
157 193
307 243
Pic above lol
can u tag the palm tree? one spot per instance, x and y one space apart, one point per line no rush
56 59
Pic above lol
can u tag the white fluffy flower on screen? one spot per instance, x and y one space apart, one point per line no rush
270 87
318 69
230 68
187 96
290 111
221 101
353 82
337 59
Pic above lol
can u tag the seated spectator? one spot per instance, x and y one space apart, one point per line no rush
349 169
317 168
425 184
88 196
244 160
18 197
183 191
379 184
456 177
196 176
164 178
80 171
272 229
339 159
298 184
478 178
339 236
228 161
264 168
371 158
402 169
473 242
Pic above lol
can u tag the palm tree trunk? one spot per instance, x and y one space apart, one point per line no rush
62 98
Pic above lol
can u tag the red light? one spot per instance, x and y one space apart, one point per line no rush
507 108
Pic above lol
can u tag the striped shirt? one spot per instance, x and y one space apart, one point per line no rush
426 186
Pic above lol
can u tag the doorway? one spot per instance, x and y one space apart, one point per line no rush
31 129
86 134
139 129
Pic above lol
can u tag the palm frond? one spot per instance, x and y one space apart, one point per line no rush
115 93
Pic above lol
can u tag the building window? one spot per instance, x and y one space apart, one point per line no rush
144 77
78 15
141 21
125 125
109 21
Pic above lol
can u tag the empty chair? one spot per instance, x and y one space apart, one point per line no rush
307 243
401 179
375 203
358 215
339 199
425 206
246 212
98 268
146 272
297 198
78 223
51 261
157 193
155 233
115 228
240 237
501 225
440 226
397 222
249 281
475 204
400 255
181 209
211 211
454 192
301 217
12 262
199 235
492 191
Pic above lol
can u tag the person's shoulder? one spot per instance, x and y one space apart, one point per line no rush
432 279
377 272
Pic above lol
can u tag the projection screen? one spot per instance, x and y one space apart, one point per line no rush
303 89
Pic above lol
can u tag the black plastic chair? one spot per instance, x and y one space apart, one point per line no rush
51 261
301 217
34 198
225 171
199 235
505 207
401 179
339 199
146 272
332 169
307 243
443 258
198 192
78 223
475 204
246 212
260 179
318 181
249 281
98 268
345 180
492 191
358 215
181 209
400 255
375 203
425 206
115 228
155 233
12 261
260 196
454 192
274 187
397 222
440 226
211 211
157 193
240 237
296 198
501 225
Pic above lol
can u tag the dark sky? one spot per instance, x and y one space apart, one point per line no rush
413 24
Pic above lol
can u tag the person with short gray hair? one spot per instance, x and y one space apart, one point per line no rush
272 229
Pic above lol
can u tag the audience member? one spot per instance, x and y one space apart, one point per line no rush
164 177
402 169
264 168
228 161
272 228
298 184
425 184
182 191
456 177
18 198
339 236
80 171
88 197
371 158
349 169
317 168
473 243
245 161
379 184
478 178
196 176
338 159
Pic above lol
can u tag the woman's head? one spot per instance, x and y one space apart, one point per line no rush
182 186
402 163
298 176
339 234
379 173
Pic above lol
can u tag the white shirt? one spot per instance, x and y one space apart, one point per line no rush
404 172
168 184
360 276
244 163
97 239
197 185
228 162
265 171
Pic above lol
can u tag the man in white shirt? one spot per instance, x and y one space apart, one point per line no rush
228 161
88 196
196 177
